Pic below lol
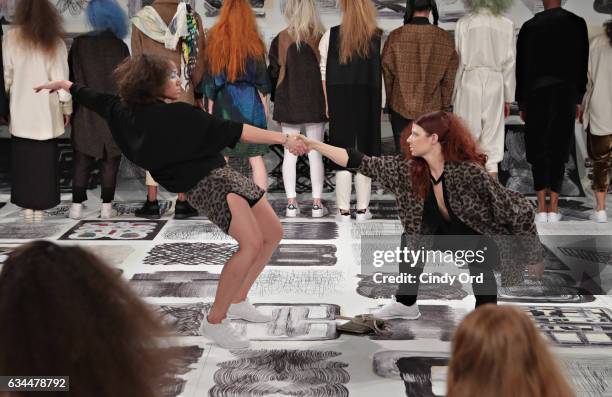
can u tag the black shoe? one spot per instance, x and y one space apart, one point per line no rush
149 210
184 210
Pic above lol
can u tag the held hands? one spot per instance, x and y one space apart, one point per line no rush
296 146
54 86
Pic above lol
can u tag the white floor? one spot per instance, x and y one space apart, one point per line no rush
174 265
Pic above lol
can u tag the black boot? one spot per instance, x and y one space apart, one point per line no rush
149 210
184 210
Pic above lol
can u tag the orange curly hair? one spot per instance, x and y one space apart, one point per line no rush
233 40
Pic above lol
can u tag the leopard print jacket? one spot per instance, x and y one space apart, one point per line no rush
474 197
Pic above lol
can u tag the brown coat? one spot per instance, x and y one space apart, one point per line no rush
141 44
474 197
419 66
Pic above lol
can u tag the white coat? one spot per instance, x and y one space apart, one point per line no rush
485 78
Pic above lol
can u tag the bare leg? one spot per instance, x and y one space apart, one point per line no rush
541 194
601 200
245 230
260 175
272 233
554 202
152 193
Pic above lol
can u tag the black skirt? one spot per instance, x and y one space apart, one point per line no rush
34 173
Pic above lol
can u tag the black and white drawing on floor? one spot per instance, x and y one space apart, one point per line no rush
175 284
436 322
114 230
185 319
58 212
281 372
590 375
194 254
370 289
386 228
185 362
293 322
298 282
203 230
19 230
213 7
423 373
574 326
515 171
113 255
553 287
73 7
6 249
128 208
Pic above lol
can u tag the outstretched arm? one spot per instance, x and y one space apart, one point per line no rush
337 155
252 134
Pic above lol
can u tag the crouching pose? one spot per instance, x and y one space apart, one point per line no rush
442 189
191 162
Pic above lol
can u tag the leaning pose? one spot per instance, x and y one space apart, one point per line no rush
442 189
191 162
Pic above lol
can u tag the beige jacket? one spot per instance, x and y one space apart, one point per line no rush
37 116
141 44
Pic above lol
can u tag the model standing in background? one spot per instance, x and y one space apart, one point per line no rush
598 118
297 94
486 82
236 79
92 59
419 65
551 77
352 82
183 44
34 51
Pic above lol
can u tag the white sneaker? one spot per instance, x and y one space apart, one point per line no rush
397 310
246 311
76 211
107 211
599 216
224 334
292 211
541 217
38 215
554 217
343 217
319 211
362 217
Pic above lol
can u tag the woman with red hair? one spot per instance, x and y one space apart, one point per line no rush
236 81
442 189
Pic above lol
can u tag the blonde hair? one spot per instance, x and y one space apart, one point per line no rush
357 28
497 351
303 20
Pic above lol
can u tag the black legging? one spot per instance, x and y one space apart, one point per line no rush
108 176
485 292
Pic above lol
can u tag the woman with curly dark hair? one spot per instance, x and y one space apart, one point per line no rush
65 313
597 118
442 189
139 119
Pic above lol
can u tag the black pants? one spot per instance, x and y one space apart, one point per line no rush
549 134
398 124
108 176
485 292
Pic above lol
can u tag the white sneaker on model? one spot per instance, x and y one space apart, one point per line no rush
554 217
319 211
107 211
397 310
363 216
246 311
541 217
224 334
76 211
599 216
292 211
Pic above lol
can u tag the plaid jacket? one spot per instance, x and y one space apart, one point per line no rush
419 66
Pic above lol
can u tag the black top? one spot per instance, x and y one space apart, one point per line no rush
432 215
179 144
359 71
552 49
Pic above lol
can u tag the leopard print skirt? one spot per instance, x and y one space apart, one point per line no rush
209 196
